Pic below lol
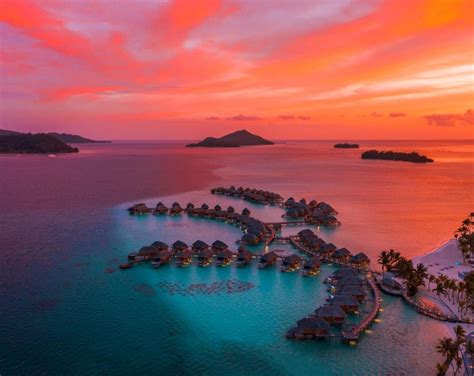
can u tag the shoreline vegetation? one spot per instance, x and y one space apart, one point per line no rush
40 143
64 137
346 146
389 155
441 285
232 140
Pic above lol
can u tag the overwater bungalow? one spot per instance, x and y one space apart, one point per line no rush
342 255
230 209
217 208
332 314
350 280
205 207
160 246
361 260
218 190
224 257
219 246
250 239
179 246
344 272
244 257
176 209
291 263
267 259
147 251
184 258
161 258
205 257
305 234
189 207
310 328
161 208
321 219
355 291
132 256
328 249
315 244
138 209
311 267
312 204
246 212
325 208
289 202
199 246
346 302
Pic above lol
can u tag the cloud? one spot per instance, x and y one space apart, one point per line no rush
294 117
450 120
213 118
397 114
375 114
243 118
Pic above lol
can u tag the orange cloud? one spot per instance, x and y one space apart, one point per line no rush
450 120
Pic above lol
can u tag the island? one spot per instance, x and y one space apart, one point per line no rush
65 137
40 143
346 146
413 157
235 139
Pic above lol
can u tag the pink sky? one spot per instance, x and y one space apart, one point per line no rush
293 69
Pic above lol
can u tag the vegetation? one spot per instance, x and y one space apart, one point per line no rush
451 348
235 139
396 156
40 143
413 277
465 237
346 146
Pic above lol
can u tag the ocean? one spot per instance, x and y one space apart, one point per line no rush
66 309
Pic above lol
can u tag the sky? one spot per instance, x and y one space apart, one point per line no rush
292 69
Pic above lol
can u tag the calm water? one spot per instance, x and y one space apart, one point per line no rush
66 309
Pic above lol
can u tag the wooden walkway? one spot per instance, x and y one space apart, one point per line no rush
355 332
288 223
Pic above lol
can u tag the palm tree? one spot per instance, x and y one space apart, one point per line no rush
394 258
421 272
431 279
460 334
439 289
441 369
384 260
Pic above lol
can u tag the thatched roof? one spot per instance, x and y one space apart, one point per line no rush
178 244
250 239
230 209
246 212
350 281
244 255
305 232
344 272
292 259
146 250
360 257
329 311
344 300
217 208
200 245
160 245
219 245
312 323
269 257
342 252
352 290
204 206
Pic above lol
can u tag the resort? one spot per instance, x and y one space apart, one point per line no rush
354 300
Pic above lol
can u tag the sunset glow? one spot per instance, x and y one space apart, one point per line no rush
182 69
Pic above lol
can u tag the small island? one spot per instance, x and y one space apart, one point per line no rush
40 143
346 146
413 157
65 137
232 140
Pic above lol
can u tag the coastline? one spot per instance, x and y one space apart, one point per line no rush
445 259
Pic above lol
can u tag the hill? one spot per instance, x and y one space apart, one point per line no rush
235 139
40 143
65 137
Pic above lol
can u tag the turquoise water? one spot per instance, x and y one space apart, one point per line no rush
98 320
66 309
